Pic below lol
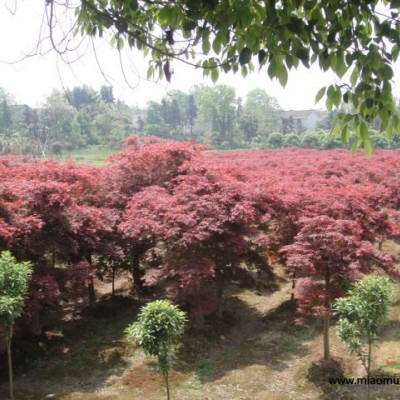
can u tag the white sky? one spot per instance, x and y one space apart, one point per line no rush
32 79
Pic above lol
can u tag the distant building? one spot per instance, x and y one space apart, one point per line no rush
294 120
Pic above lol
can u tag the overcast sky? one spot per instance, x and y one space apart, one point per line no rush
32 79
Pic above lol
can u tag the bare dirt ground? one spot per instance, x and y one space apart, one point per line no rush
255 351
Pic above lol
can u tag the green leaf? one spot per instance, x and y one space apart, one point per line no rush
217 44
189 25
150 72
387 72
363 131
167 16
120 43
252 41
296 25
320 94
341 67
261 56
272 68
354 76
396 123
282 75
344 134
336 130
245 56
214 75
302 54
329 97
368 147
355 145
395 52
337 97
328 103
206 46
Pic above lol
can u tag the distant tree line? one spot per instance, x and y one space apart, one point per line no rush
69 120
82 117
213 115
320 139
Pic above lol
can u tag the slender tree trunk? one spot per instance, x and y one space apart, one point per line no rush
196 313
327 317
90 286
196 316
220 294
137 274
9 357
293 286
166 379
91 293
326 336
369 369
35 323
113 282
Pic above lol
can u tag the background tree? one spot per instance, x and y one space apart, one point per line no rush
159 326
292 140
56 117
275 140
106 94
311 140
259 106
154 120
82 97
248 125
14 281
218 105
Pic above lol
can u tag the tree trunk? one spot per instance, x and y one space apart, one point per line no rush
36 329
196 317
92 294
196 312
113 282
137 273
9 358
369 368
90 286
327 317
293 286
166 379
220 294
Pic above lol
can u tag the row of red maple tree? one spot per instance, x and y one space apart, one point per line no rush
170 213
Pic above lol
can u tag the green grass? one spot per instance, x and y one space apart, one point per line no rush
95 155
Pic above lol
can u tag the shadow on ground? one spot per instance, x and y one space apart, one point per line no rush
245 337
79 354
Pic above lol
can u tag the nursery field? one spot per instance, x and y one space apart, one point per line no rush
251 352
255 246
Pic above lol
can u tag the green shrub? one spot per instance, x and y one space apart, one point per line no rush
159 326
